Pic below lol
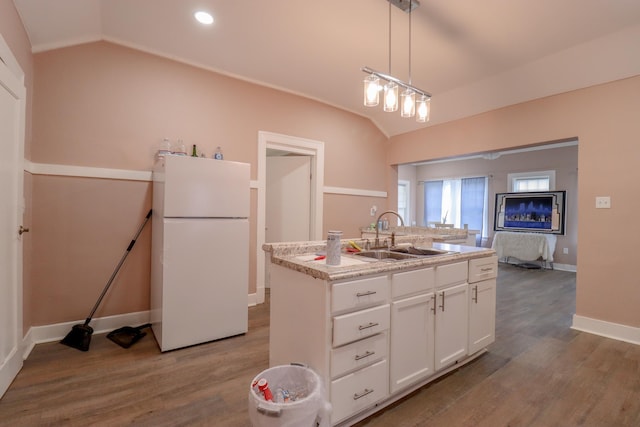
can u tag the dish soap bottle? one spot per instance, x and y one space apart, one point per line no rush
218 154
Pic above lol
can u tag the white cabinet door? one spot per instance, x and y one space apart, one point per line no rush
452 325
482 314
411 340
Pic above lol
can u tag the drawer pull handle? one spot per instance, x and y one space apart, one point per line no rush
364 294
366 391
366 354
370 325
475 297
487 269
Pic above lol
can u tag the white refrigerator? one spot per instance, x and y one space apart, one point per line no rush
200 250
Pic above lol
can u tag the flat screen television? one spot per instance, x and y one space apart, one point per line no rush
535 211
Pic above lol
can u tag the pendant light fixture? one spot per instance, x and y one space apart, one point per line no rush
409 106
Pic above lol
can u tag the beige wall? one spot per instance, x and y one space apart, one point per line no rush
104 105
605 121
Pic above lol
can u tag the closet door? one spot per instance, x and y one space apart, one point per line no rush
12 117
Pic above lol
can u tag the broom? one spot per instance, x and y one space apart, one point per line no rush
80 335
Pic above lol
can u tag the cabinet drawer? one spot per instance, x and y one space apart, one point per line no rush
359 390
359 293
483 269
358 354
412 282
451 274
361 324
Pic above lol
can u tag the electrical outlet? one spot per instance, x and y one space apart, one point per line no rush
603 202
565 251
374 209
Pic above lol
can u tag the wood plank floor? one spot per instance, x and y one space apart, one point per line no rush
537 373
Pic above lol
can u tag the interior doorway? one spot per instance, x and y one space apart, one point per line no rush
286 145
288 197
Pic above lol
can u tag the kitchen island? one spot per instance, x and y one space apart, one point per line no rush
376 330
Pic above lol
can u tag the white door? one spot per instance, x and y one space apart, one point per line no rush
288 198
12 112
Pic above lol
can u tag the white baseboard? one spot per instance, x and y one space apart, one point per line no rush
615 331
9 368
565 267
55 332
49 333
253 300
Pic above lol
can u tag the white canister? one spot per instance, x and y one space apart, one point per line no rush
333 247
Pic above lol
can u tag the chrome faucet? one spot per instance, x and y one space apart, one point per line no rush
377 241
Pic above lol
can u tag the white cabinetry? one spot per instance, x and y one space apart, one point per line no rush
451 314
374 339
412 327
360 319
429 322
482 302
339 329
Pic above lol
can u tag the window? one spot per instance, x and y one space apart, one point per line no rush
458 202
404 201
532 181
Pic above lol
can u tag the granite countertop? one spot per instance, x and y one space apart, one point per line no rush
299 256
441 234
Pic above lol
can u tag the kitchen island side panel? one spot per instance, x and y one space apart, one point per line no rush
300 325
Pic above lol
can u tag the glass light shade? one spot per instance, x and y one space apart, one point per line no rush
371 91
423 108
408 101
390 97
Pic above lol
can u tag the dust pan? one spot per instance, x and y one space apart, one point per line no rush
127 336
80 335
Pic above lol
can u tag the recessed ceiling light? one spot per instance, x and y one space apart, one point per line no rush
204 17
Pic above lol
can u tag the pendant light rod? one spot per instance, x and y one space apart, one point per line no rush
399 82
410 9
389 69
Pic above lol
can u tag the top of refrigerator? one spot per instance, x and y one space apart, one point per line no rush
196 187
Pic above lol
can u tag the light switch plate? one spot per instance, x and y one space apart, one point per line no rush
603 202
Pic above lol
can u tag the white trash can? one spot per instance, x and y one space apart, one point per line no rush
298 398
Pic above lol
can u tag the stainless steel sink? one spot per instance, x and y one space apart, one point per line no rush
421 251
383 254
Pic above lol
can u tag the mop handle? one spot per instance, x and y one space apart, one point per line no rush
113 275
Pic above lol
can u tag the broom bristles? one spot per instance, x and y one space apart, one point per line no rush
79 337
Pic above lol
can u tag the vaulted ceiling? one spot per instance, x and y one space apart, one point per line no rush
472 56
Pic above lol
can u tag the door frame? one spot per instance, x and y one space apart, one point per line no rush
12 79
302 146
